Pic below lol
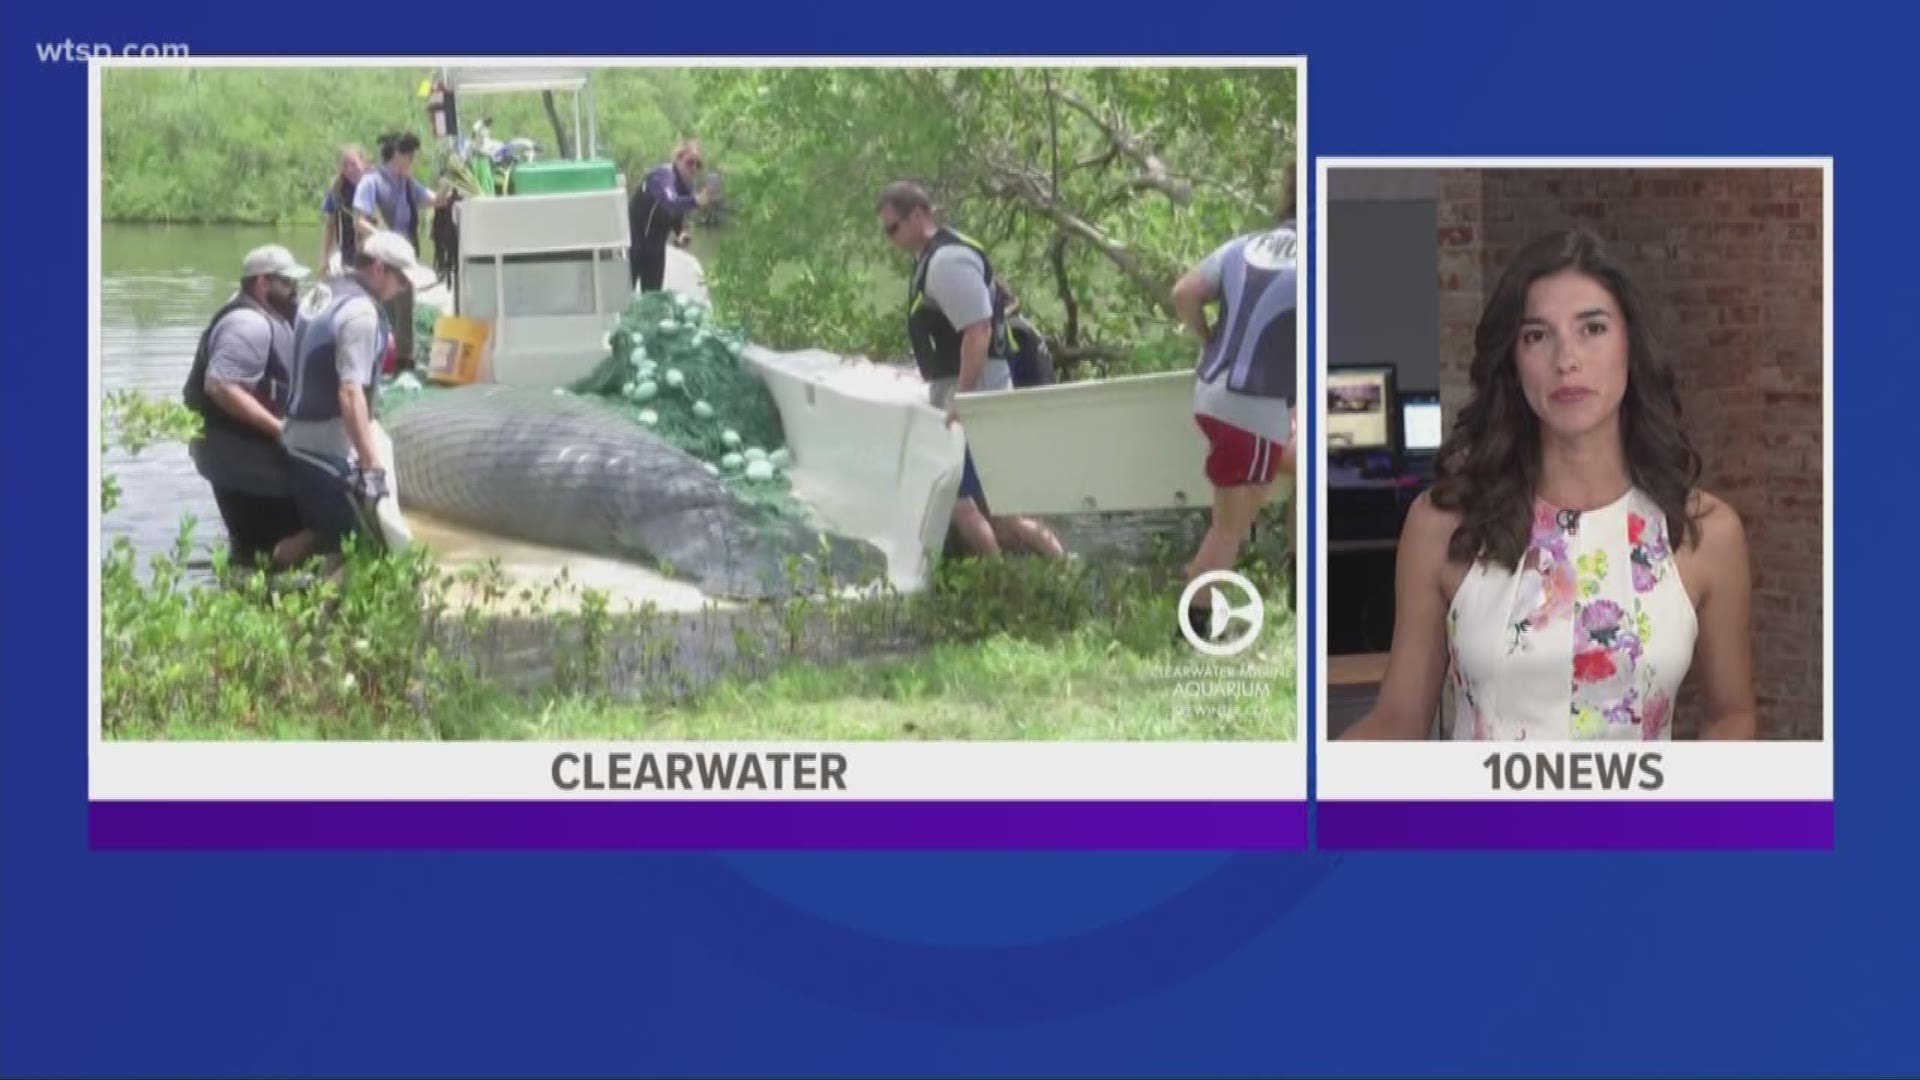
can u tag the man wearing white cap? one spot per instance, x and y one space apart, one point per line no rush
238 384
336 470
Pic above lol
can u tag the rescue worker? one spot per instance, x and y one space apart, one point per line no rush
658 213
337 473
339 235
390 197
1246 383
956 326
238 385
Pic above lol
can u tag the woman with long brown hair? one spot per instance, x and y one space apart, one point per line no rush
1564 572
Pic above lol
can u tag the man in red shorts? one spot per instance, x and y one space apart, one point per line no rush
1244 392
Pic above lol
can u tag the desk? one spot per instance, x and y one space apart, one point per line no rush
1357 669
1364 517
1353 683
1352 547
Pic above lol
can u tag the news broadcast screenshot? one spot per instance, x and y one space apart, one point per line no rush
1297 541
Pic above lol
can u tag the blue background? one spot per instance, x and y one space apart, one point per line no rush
856 964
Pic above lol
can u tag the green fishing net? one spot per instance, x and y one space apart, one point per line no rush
677 371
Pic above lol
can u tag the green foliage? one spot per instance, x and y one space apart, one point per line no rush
424 316
258 146
1017 157
133 421
1012 163
348 658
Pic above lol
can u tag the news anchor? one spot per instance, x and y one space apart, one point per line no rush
1564 572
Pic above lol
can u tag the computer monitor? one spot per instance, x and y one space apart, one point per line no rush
1361 410
1421 430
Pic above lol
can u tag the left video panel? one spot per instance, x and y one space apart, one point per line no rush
512 453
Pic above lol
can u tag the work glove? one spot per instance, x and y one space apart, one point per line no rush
370 484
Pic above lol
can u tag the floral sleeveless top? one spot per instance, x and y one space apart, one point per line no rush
1588 639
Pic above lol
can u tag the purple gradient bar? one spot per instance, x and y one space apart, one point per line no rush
1575 826
727 826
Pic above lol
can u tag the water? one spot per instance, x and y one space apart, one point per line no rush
158 287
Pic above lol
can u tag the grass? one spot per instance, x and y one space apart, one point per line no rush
996 651
1083 685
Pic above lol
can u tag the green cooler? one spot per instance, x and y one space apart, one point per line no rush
564 177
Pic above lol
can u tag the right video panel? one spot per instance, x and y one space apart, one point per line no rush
1575 525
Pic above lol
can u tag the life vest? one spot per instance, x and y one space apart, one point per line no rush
1032 361
271 391
1254 345
390 211
316 375
935 340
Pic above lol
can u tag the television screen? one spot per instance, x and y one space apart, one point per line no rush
1359 410
1420 425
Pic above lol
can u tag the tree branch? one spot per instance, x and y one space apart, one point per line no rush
1097 161
1121 256
1101 357
1057 254
1154 173
1239 195
1053 133
1080 354
1020 184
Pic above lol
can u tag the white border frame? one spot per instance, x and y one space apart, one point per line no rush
1787 770
1127 770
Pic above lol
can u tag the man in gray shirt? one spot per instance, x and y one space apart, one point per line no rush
238 385
960 342
336 470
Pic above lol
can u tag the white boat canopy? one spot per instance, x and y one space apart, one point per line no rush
514 79
468 82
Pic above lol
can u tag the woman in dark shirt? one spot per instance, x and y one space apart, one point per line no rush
658 213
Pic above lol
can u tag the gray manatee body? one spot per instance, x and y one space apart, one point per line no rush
571 473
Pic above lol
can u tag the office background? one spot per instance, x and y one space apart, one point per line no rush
1730 262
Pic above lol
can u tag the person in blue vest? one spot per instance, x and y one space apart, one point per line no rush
956 325
390 197
238 385
335 467
1246 383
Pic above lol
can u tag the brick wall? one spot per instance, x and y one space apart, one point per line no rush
1730 262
